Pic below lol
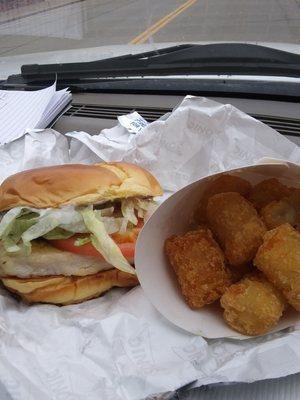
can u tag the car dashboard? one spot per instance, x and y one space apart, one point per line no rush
92 112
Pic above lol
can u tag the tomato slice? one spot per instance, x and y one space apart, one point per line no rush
125 241
129 236
88 249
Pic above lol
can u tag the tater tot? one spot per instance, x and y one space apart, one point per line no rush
224 183
236 226
279 259
252 306
283 211
267 191
279 212
198 263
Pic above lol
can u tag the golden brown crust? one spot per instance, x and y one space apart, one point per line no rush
252 306
279 212
266 191
63 290
198 263
223 184
76 184
236 226
279 259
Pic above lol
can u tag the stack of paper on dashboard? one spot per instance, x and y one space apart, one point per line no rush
21 111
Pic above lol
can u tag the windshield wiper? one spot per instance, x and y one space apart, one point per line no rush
216 59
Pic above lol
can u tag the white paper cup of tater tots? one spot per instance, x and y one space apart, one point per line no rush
175 216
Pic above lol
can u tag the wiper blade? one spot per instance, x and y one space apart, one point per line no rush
241 88
217 59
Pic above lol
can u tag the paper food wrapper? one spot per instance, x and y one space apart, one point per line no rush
118 346
199 138
175 216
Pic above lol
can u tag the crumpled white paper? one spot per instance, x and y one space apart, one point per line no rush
36 149
200 137
118 346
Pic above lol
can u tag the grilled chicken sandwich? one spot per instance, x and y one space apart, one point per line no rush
68 232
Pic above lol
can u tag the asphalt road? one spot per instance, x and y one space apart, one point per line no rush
66 24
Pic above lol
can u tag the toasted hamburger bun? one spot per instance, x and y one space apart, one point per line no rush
77 184
63 290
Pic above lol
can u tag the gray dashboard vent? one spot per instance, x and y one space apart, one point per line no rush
286 126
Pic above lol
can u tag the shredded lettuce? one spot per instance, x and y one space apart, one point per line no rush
112 224
8 220
20 225
25 224
58 233
10 245
127 208
123 227
69 219
143 204
106 212
43 225
143 207
12 226
81 241
104 243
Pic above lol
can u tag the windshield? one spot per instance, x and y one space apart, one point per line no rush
86 30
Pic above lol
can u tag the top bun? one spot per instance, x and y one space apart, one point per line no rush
76 184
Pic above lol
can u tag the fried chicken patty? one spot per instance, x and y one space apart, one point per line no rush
46 260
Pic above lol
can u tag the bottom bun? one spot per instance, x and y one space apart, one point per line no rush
64 290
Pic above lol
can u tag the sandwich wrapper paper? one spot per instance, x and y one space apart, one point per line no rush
118 346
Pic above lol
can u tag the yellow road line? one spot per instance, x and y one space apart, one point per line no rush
142 37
